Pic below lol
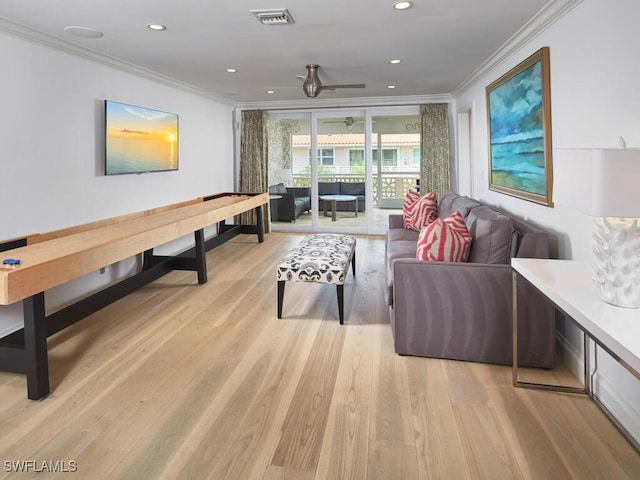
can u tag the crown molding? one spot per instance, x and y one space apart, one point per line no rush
42 38
314 103
546 17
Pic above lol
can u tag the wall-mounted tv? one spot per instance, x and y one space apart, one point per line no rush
139 140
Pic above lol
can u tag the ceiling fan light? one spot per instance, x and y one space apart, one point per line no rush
403 5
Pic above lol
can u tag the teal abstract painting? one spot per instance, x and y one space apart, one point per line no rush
519 131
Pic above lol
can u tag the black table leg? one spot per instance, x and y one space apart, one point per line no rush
201 256
259 225
353 262
340 290
35 346
280 297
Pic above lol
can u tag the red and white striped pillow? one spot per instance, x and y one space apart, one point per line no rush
445 240
419 211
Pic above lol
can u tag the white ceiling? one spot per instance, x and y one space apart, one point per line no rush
440 42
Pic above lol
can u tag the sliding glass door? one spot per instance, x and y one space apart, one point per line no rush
341 170
396 157
289 179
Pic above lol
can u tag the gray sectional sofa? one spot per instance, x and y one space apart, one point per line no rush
463 311
343 188
292 202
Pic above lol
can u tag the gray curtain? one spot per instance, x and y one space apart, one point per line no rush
253 161
435 167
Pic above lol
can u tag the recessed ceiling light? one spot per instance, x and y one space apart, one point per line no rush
394 61
231 70
83 32
271 91
156 26
391 86
402 5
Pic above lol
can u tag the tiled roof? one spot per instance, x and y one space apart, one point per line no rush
357 139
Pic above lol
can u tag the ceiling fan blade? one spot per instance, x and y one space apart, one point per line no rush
348 85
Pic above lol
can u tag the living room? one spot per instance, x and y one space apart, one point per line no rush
52 138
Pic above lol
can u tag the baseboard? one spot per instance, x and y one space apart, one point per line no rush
571 356
607 391
618 406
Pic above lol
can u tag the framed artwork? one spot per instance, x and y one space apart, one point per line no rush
519 117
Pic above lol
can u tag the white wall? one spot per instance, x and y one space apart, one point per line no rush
51 166
595 99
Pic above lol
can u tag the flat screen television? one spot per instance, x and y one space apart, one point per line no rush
139 140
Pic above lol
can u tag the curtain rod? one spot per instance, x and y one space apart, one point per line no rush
342 107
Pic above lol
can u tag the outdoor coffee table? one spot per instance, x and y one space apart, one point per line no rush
333 201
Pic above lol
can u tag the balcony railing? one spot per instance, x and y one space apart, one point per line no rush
388 187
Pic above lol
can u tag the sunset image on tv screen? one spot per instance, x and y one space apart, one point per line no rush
139 140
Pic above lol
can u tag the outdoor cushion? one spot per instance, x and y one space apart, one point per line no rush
328 188
351 188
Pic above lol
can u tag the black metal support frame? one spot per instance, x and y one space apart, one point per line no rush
25 351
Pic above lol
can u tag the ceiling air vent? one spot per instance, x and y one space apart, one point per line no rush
273 17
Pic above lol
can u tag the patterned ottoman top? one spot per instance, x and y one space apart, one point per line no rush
322 258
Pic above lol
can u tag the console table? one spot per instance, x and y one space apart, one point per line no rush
51 259
568 284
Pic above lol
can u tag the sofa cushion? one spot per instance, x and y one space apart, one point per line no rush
444 240
351 188
405 248
400 234
277 189
419 211
452 202
328 188
492 234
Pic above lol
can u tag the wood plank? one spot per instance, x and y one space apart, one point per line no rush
304 426
438 446
345 444
47 264
63 232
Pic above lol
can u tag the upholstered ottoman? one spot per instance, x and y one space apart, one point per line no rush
319 258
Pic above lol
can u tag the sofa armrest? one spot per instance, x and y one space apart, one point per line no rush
286 208
464 311
396 221
300 191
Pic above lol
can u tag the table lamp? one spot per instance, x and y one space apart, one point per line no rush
605 184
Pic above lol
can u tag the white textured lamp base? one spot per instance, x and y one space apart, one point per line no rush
616 261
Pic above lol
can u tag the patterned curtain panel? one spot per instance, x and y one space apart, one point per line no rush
253 161
435 167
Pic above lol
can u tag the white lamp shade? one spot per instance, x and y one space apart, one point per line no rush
598 182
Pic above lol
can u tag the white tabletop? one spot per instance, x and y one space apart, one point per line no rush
339 198
569 284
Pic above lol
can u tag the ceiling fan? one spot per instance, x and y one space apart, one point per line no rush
312 85
348 121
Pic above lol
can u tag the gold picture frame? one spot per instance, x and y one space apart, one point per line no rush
519 126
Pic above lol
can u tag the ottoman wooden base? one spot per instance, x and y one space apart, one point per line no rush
319 258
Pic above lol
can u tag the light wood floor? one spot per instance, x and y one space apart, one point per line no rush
185 381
